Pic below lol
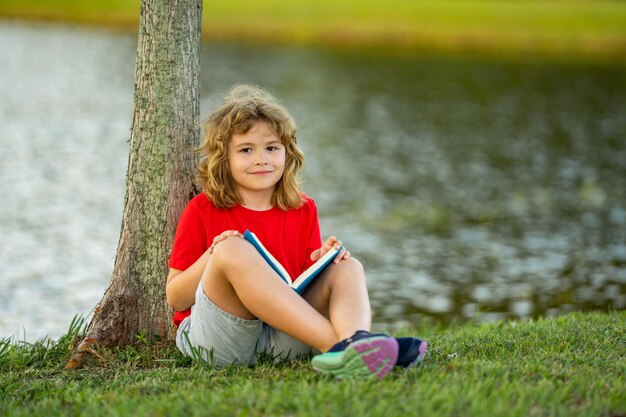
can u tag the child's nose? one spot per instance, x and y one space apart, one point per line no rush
262 158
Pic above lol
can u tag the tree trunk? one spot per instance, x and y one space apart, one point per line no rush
159 183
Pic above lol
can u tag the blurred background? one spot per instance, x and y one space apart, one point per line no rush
472 154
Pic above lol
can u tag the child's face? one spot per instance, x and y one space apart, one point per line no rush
257 162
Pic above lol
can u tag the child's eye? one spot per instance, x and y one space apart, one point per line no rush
245 150
273 148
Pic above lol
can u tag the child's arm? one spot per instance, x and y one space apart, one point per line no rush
182 290
328 245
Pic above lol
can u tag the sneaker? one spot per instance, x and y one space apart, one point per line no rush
363 355
411 351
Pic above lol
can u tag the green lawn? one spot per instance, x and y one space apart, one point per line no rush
574 365
562 27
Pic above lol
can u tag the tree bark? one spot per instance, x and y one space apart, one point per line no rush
165 128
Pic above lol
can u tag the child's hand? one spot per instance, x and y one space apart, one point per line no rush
328 245
223 236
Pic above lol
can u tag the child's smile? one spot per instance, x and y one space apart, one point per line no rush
257 163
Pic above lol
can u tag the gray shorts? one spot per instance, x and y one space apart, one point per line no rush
223 339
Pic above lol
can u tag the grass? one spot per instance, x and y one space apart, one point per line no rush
573 365
562 27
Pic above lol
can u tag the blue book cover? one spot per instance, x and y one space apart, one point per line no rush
304 279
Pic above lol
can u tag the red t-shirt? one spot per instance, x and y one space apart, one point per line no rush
289 235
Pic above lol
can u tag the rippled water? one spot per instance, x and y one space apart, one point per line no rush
470 189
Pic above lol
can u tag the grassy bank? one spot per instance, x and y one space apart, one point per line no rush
574 365
558 27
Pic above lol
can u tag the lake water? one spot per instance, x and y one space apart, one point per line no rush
470 189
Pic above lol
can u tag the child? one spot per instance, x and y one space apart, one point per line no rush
229 303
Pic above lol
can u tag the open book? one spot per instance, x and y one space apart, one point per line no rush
305 278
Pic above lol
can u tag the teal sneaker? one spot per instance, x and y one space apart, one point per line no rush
363 355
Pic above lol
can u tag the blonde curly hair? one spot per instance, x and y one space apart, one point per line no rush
242 108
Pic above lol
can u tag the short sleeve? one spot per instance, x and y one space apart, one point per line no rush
190 240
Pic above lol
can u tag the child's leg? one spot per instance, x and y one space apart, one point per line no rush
239 281
340 294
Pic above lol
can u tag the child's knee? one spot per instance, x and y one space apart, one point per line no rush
230 250
353 266
358 266
347 269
